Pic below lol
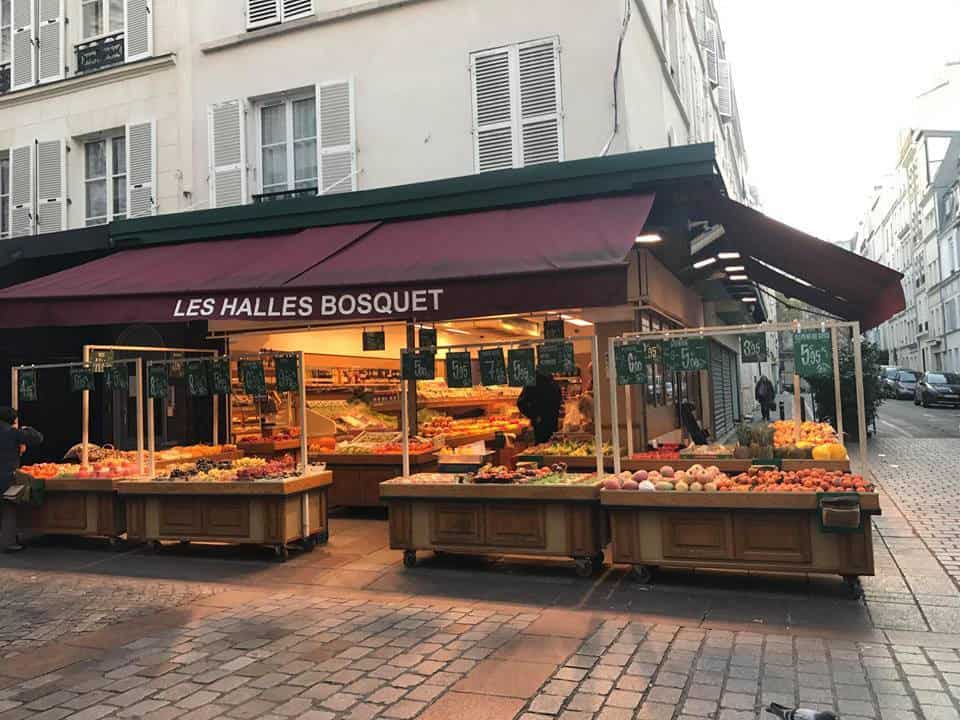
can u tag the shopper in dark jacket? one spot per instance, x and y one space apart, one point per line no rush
13 443
541 403
690 423
766 396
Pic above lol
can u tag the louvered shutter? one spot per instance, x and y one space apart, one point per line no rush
141 170
700 20
138 29
710 51
51 41
293 9
21 190
51 186
226 140
541 137
724 90
337 144
493 110
261 13
24 68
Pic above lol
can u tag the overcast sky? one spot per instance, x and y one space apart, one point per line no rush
823 87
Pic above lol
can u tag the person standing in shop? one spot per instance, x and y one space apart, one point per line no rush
14 442
541 403
765 395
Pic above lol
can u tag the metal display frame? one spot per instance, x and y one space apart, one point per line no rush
594 355
85 434
834 326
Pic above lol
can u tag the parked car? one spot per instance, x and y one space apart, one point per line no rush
937 388
905 386
888 381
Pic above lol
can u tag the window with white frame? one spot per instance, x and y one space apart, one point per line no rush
4 195
101 17
105 179
288 144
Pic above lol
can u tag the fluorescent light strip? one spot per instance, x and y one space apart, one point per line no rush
748 299
704 263
649 239
737 278
729 255
734 268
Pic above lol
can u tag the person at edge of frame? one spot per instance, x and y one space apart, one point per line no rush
14 441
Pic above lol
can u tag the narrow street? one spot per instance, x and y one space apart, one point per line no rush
903 419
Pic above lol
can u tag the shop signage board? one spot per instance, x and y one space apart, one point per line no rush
521 367
418 365
652 351
753 347
81 378
631 363
557 358
100 359
554 329
493 368
157 381
178 362
813 354
428 337
459 370
288 373
198 381
687 354
374 340
220 376
27 390
252 377
115 377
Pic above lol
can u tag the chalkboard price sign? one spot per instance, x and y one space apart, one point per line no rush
157 381
252 377
459 370
687 354
553 329
81 378
27 390
198 383
428 337
288 373
557 358
418 365
521 367
813 353
493 369
374 340
220 376
115 377
753 347
100 359
652 351
631 363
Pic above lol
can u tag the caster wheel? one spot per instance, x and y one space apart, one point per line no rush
598 562
409 558
584 567
155 546
184 543
281 553
322 537
643 574
309 543
854 587
116 544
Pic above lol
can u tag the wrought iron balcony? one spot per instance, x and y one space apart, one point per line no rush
101 53
285 195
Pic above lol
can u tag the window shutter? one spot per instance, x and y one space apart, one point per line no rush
293 9
21 190
226 142
540 127
725 90
51 186
493 129
51 41
23 71
141 170
138 29
261 13
337 146
710 51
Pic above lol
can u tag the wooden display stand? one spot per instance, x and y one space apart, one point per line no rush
262 512
86 507
490 519
576 463
733 465
219 457
358 477
270 447
758 532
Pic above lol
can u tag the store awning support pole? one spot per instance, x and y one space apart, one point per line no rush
614 411
151 435
836 380
597 407
138 379
85 428
861 409
404 428
796 404
628 409
304 450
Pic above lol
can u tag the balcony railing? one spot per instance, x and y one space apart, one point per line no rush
5 78
285 195
101 53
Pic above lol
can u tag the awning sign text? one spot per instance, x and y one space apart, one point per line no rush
376 304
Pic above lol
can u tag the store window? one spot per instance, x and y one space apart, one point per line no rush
288 145
105 180
4 196
101 17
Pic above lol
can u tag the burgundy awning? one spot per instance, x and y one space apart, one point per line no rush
501 261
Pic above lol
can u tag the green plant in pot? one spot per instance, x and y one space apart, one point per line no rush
744 437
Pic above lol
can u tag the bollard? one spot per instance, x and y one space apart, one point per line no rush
803 411
783 414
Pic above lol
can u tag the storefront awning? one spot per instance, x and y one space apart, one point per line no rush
558 255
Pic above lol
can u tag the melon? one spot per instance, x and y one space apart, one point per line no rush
666 471
664 486
681 486
640 475
630 485
611 483
646 486
696 487
710 487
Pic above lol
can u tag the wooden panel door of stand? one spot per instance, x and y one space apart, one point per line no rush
227 517
459 524
180 516
65 511
773 537
697 535
516 525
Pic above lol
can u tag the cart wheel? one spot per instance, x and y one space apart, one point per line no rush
281 552
643 574
322 537
409 558
115 543
584 566
309 542
598 562
854 587
184 542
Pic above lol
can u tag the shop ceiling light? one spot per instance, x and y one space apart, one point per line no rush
734 268
648 239
729 255
704 263
748 299
579 322
737 278
455 331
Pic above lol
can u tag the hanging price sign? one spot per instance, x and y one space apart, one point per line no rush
198 382
687 354
521 367
557 358
288 373
115 377
813 353
220 376
374 340
252 377
631 364
418 365
81 378
428 337
459 369
493 368
753 347
157 381
652 350
553 329
27 390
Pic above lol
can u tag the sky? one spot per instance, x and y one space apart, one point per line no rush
824 87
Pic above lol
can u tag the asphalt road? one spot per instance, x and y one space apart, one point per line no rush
901 418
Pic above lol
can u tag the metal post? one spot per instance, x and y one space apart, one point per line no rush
404 428
614 412
14 390
303 415
628 409
216 419
597 407
796 403
85 428
836 380
858 377
138 379
151 435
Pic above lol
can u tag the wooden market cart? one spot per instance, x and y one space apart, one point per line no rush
86 507
430 513
359 475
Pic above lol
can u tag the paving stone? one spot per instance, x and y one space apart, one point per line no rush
584 702
403 710
738 701
659 694
624 699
